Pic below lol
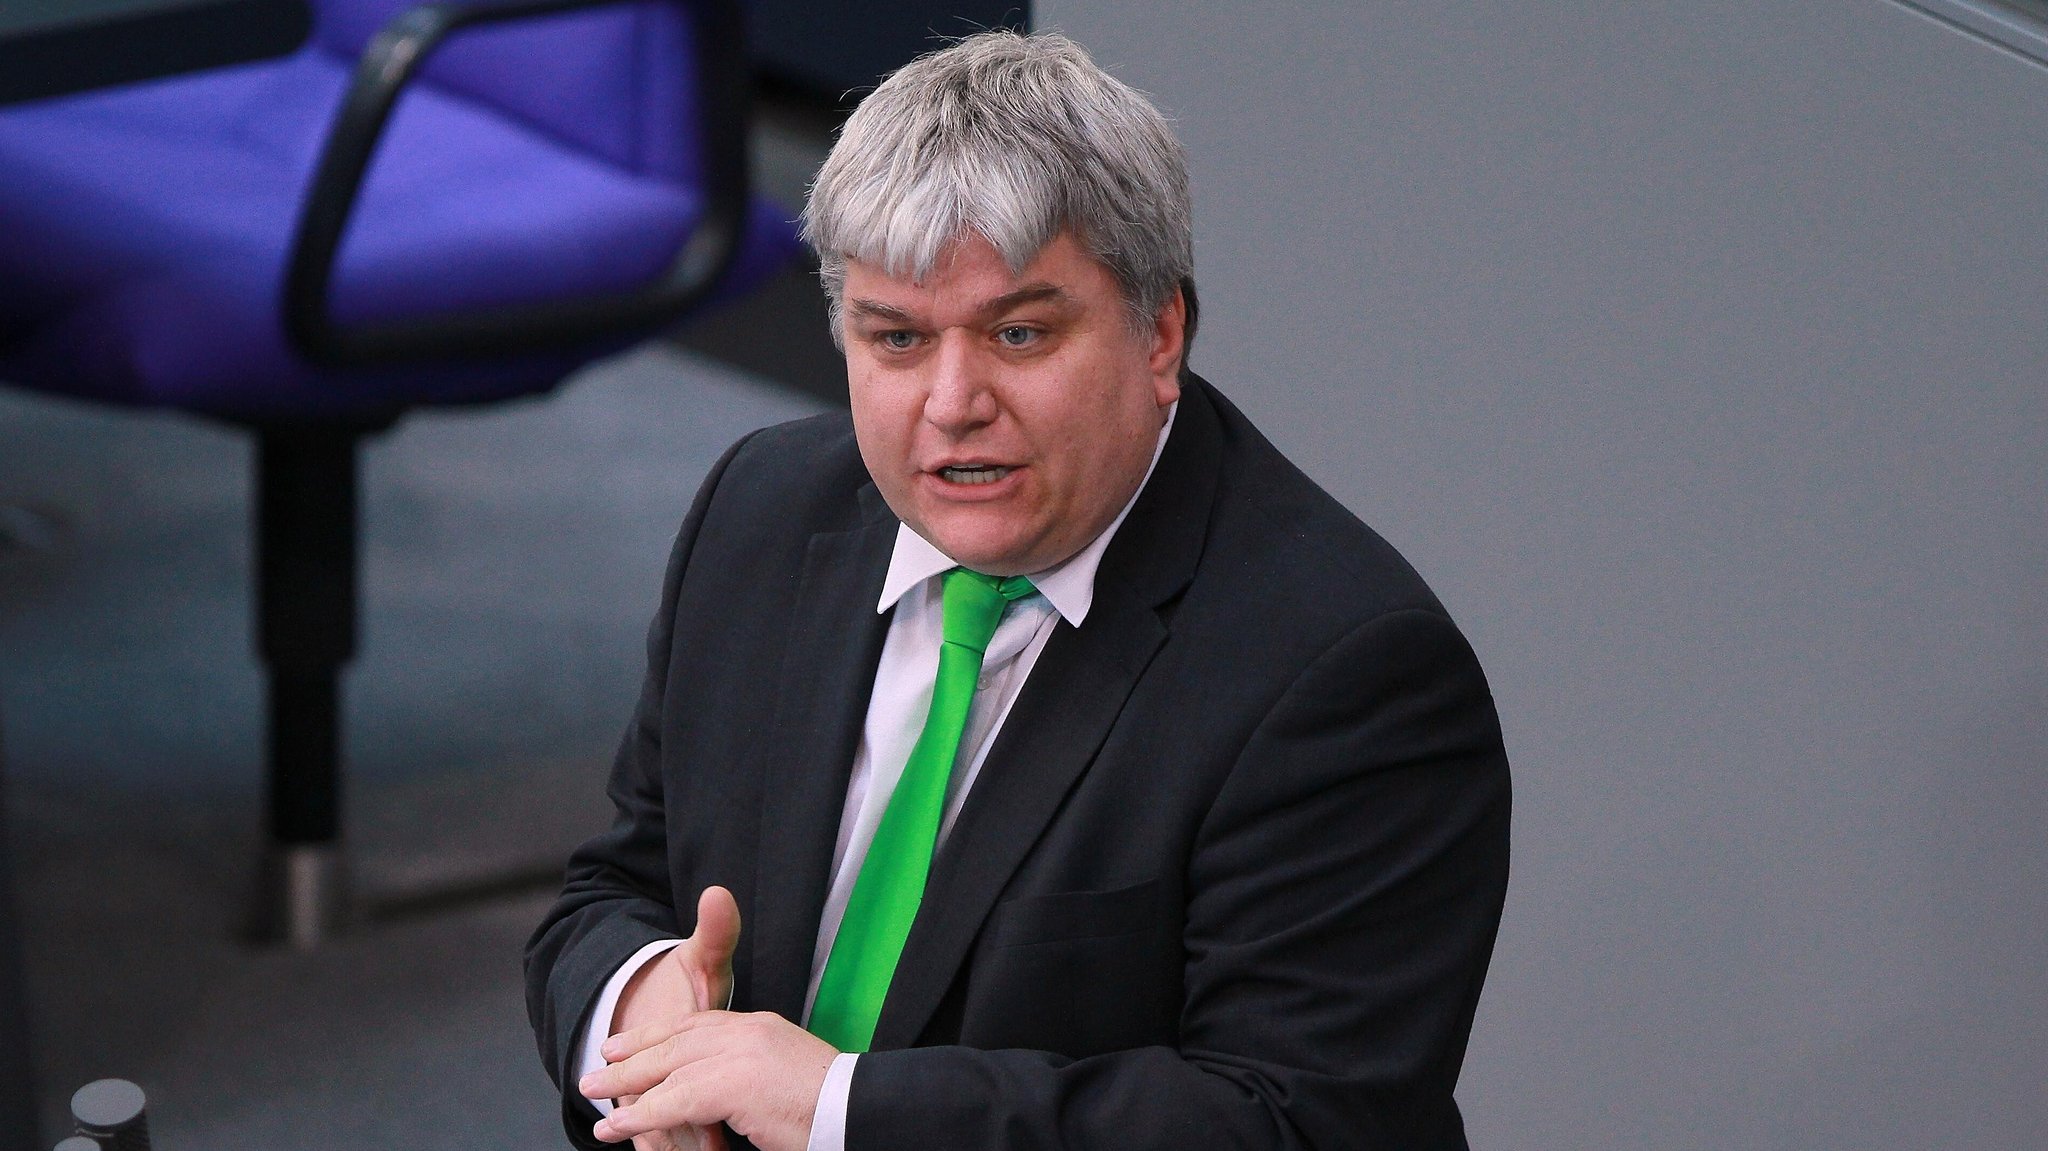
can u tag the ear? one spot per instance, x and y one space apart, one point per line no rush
1169 346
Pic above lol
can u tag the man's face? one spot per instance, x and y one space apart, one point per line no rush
1006 417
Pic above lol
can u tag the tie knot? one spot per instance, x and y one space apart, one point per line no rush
972 605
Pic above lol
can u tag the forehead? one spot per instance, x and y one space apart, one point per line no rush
970 278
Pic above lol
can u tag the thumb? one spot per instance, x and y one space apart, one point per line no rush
718 928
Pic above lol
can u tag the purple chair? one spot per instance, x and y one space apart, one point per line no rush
451 204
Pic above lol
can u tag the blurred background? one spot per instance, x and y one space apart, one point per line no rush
1694 353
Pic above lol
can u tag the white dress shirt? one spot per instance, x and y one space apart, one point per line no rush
901 699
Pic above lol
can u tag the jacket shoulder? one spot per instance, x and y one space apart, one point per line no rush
1276 533
804 473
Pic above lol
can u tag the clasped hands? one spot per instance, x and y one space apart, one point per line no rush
679 1065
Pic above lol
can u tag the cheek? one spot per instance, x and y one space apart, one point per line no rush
870 427
884 424
1121 439
887 392
870 402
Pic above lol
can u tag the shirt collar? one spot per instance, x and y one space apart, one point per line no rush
1069 586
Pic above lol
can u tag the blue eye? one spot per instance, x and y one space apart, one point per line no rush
1017 335
898 340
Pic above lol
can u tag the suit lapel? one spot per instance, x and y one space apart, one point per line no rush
1065 712
828 672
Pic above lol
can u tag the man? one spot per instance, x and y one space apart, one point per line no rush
1071 768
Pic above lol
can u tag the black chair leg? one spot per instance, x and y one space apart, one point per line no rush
18 1117
306 633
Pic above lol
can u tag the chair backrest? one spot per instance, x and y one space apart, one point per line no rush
563 76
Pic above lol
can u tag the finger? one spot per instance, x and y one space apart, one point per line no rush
681 1139
656 1141
691 1100
676 1105
643 1069
718 929
678 1138
636 1040
621 1081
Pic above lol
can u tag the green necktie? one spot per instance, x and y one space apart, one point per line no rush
891 881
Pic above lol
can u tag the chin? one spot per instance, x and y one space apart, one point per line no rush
989 561
1005 557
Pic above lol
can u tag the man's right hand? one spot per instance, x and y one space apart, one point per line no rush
693 976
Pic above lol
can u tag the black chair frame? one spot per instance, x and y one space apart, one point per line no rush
306 476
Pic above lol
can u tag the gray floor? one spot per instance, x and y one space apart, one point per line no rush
512 558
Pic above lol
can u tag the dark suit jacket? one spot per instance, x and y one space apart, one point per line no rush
1229 877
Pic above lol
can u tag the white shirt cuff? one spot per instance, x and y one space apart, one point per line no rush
598 1027
828 1123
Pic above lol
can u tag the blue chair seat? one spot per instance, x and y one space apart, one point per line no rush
180 307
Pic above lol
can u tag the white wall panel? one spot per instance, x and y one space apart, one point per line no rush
1698 354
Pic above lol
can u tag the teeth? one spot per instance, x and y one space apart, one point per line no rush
974 474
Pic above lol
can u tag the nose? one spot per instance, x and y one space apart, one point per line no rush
962 396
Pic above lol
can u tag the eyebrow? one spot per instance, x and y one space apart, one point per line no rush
871 309
1028 294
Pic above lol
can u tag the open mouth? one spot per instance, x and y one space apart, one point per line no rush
974 473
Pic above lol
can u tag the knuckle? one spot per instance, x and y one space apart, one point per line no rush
678 1098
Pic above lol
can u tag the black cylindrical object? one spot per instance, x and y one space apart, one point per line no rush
18 1128
305 618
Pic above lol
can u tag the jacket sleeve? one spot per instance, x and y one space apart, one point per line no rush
1344 893
617 895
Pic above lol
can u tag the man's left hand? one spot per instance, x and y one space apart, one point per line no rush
757 1073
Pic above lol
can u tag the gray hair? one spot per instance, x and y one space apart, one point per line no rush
1018 138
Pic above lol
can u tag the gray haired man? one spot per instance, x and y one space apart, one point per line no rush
1083 775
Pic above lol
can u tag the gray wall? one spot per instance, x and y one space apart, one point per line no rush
1696 353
